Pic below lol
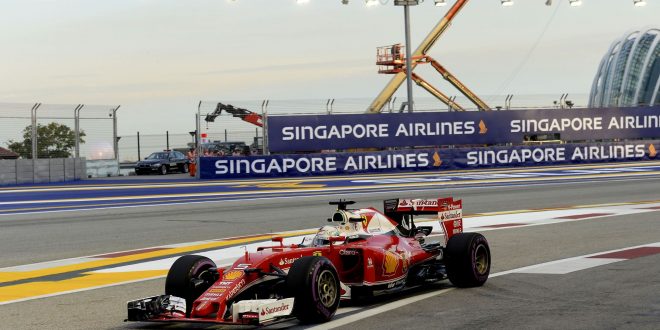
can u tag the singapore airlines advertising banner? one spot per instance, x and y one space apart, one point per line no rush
424 160
320 132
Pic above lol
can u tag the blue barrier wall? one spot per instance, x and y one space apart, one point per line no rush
424 160
324 132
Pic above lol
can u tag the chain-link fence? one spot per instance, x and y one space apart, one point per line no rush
422 103
56 124
58 130
135 147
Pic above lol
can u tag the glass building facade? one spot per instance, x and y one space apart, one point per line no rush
629 73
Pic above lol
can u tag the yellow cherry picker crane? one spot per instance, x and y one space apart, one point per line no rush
391 60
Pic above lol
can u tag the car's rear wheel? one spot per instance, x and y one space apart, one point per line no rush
314 283
184 277
467 258
162 170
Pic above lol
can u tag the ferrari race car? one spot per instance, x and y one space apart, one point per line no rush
364 253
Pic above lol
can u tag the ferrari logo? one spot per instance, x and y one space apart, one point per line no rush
317 254
482 127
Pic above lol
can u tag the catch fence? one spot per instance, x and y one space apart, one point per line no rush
58 130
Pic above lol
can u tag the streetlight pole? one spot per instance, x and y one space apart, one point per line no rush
406 11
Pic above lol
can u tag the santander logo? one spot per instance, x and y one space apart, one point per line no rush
270 310
286 261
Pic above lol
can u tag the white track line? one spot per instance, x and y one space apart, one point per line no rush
406 301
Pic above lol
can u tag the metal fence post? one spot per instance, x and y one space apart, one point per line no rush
167 140
76 119
33 117
264 135
115 139
138 142
198 126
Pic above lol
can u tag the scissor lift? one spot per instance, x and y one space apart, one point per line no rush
392 59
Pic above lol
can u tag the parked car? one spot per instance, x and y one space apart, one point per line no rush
162 163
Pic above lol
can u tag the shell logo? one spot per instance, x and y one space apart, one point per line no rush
232 275
390 262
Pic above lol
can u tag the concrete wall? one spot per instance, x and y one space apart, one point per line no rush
7 172
26 171
102 168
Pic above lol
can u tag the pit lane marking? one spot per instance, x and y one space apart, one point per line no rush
87 273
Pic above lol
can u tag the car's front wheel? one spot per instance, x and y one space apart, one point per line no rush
182 276
467 258
162 170
314 283
184 168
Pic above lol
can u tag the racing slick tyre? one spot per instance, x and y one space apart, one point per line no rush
182 275
162 170
314 283
183 168
467 258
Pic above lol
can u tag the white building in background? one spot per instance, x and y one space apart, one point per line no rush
629 73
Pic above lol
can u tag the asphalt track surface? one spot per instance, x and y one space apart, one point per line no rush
619 295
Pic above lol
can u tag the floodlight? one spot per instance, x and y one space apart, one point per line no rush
575 3
371 3
639 3
440 3
507 3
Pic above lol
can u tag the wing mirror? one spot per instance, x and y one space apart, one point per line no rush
278 239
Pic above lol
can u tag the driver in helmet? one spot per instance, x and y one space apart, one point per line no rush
323 235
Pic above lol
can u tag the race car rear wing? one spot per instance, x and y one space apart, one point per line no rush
448 210
420 206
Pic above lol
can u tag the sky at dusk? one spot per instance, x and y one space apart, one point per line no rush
159 58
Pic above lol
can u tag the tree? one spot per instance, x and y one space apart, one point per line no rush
53 141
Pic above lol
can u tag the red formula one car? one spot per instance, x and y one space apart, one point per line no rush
364 253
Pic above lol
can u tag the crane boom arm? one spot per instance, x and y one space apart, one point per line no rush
423 48
458 84
435 92
244 114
